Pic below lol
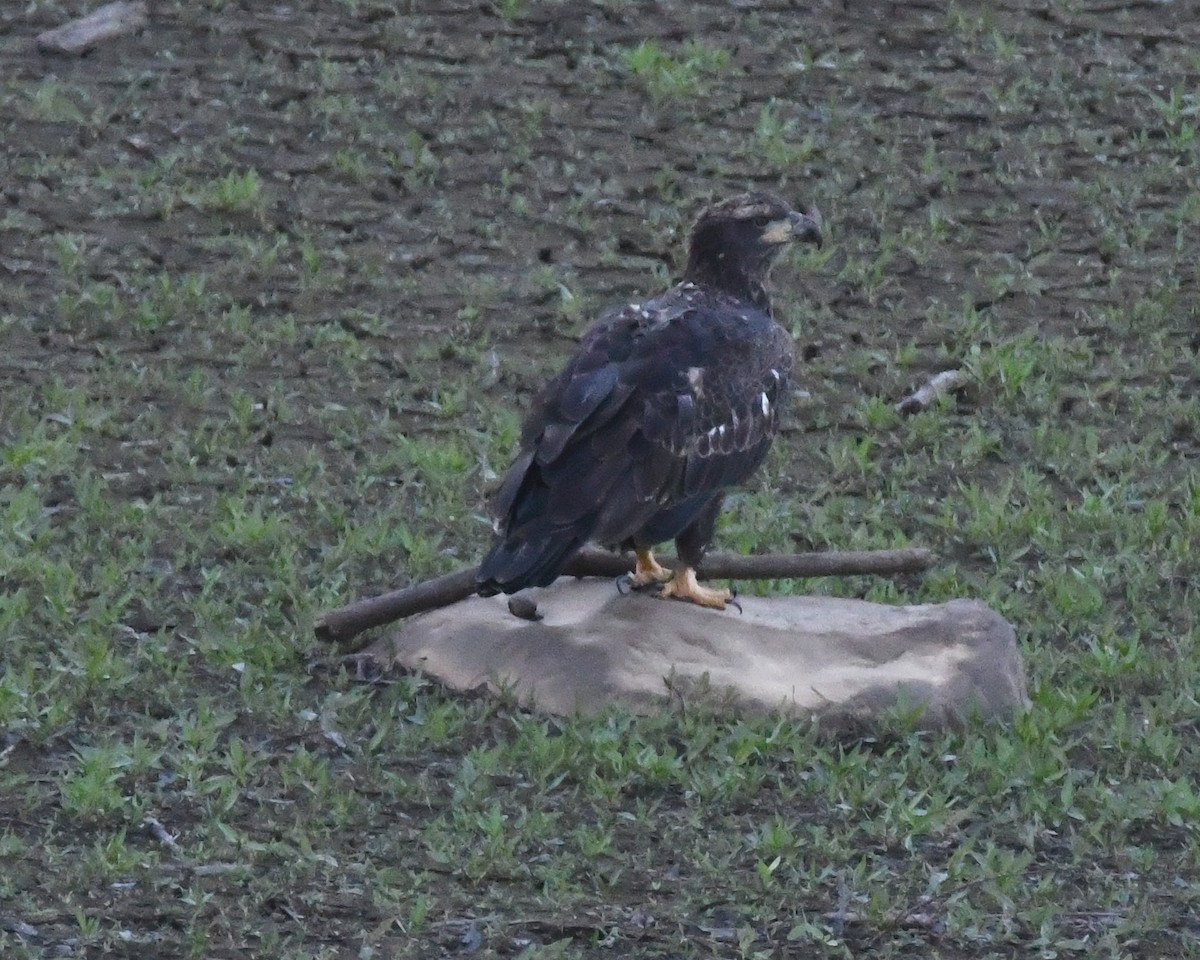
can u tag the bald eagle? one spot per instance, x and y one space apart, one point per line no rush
666 405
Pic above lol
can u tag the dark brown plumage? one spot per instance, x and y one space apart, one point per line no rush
666 404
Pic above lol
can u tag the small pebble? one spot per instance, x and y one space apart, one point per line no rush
523 606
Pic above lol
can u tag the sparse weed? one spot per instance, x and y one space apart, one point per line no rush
236 193
668 76
55 102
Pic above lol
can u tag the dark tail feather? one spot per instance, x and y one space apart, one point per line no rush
510 567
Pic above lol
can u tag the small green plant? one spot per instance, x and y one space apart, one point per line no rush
70 250
511 9
675 77
55 102
784 144
416 160
92 787
168 298
236 193
352 163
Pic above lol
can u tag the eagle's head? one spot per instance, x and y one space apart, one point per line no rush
734 242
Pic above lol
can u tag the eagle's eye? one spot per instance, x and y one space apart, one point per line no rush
761 222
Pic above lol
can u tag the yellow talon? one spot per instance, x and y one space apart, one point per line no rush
683 586
648 570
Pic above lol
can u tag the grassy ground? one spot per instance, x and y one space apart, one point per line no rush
275 285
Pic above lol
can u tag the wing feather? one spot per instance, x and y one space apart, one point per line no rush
585 392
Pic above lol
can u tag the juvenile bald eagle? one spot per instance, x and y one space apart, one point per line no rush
666 405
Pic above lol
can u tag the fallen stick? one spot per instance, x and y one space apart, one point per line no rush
345 623
162 835
927 396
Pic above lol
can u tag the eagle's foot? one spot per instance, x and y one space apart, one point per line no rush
648 571
683 586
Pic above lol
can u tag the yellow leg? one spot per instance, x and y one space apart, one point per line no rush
648 570
684 586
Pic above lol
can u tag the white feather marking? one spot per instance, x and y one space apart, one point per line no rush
775 374
766 405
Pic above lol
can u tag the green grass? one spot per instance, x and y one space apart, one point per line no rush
668 76
268 351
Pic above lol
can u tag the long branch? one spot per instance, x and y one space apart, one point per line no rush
341 625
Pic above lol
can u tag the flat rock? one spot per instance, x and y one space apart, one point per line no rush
104 23
825 657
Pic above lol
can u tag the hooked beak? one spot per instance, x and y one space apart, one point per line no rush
807 226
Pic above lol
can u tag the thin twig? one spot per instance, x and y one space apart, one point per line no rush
925 397
162 835
345 623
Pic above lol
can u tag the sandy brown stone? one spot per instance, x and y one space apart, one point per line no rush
821 656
